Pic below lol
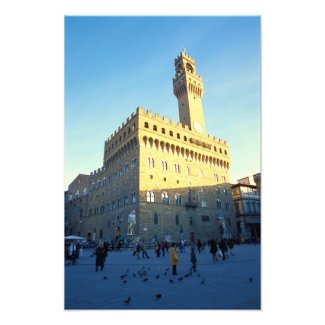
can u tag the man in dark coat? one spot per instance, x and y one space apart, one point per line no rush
213 249
100 256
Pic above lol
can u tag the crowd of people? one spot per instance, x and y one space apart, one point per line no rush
219 250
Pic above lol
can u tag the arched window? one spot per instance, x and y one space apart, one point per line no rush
187 170
146 125
150 196
164 198
178 199
177 219
163 131
155 127
177 168
218 204
164 165
134 198
171 133
155 219
151 162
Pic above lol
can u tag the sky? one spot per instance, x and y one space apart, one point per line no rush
113 64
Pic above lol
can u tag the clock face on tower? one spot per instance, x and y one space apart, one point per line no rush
198 127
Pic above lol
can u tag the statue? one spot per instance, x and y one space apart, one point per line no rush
131 223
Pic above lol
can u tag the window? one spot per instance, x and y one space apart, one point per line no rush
178 136
220 150
227 206
248 207
146 125
225 152
150 196
165 198
151 162
84 192
191 221
164 165
237 208
126 200
155 127
203 203
178 199
171 133
223 179
163 131
205 218
187 170
119 202
215 177
90 212
177 219
133 163
113 205
134 199
155 219
108 207
177 168
126 168
225 191
185 138
218 204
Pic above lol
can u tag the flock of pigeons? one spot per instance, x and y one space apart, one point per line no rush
143 274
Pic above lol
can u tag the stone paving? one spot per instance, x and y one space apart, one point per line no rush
230 284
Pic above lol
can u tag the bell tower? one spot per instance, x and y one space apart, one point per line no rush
188 88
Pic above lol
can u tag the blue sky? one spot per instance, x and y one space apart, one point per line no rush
114 64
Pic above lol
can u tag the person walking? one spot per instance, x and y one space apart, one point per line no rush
213 250
173 258
100 256
223 248
193 259
199 245
144 250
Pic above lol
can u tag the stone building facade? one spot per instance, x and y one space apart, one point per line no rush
247 204
162 179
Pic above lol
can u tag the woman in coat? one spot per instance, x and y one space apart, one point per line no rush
173 258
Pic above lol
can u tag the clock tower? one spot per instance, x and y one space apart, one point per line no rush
188 88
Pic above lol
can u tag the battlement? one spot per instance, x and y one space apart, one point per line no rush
184 55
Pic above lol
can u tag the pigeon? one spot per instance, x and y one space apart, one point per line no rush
158 295
203 281
123 276
250 280
167 269
145 279
127 301
157 276
165 273
134 275
124 281
198 274
171 281
105 277
180 279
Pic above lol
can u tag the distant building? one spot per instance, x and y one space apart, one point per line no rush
247 204
162 179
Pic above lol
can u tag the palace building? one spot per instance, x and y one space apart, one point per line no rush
159 179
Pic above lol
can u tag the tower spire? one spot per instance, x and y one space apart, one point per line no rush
188 89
